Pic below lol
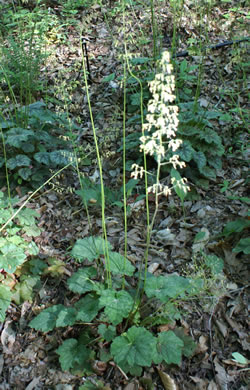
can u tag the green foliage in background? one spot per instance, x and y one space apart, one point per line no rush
23 52
34 143
21 61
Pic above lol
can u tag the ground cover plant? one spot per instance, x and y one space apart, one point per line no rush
32 143
16 247
126 123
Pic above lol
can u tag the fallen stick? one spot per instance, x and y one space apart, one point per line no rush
212 47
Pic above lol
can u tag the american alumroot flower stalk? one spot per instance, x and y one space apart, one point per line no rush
162 122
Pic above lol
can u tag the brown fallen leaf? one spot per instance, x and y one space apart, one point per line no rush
212 386
222 327
201 384
222 378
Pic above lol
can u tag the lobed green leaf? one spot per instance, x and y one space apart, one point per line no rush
52 317
27 216
236 226
11 256
18 161
214 263
80 282
243 246
119 265
42 158
165 287
117 304
189 345
89 248
72 353
169 348
108 333
17 135
134 349
87 308
25 173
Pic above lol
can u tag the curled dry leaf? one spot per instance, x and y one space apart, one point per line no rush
202 346
99 367
167 381
8 338
166 327
153 267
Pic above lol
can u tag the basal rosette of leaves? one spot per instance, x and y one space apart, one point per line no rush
33 144
15 250
114 317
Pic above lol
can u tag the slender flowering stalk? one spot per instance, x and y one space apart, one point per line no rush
159 133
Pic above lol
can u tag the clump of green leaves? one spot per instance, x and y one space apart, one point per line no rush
202 147
71 6
16 247
33 144
237 228
91 193
207 267
115 314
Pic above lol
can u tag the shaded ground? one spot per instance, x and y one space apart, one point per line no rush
218 322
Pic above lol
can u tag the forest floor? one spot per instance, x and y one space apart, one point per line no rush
218 323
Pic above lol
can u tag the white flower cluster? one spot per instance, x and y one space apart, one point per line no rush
162 119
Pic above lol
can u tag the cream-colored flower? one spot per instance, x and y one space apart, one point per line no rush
162 123
137 171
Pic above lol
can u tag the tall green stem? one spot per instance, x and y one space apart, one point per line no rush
106 251
124 155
